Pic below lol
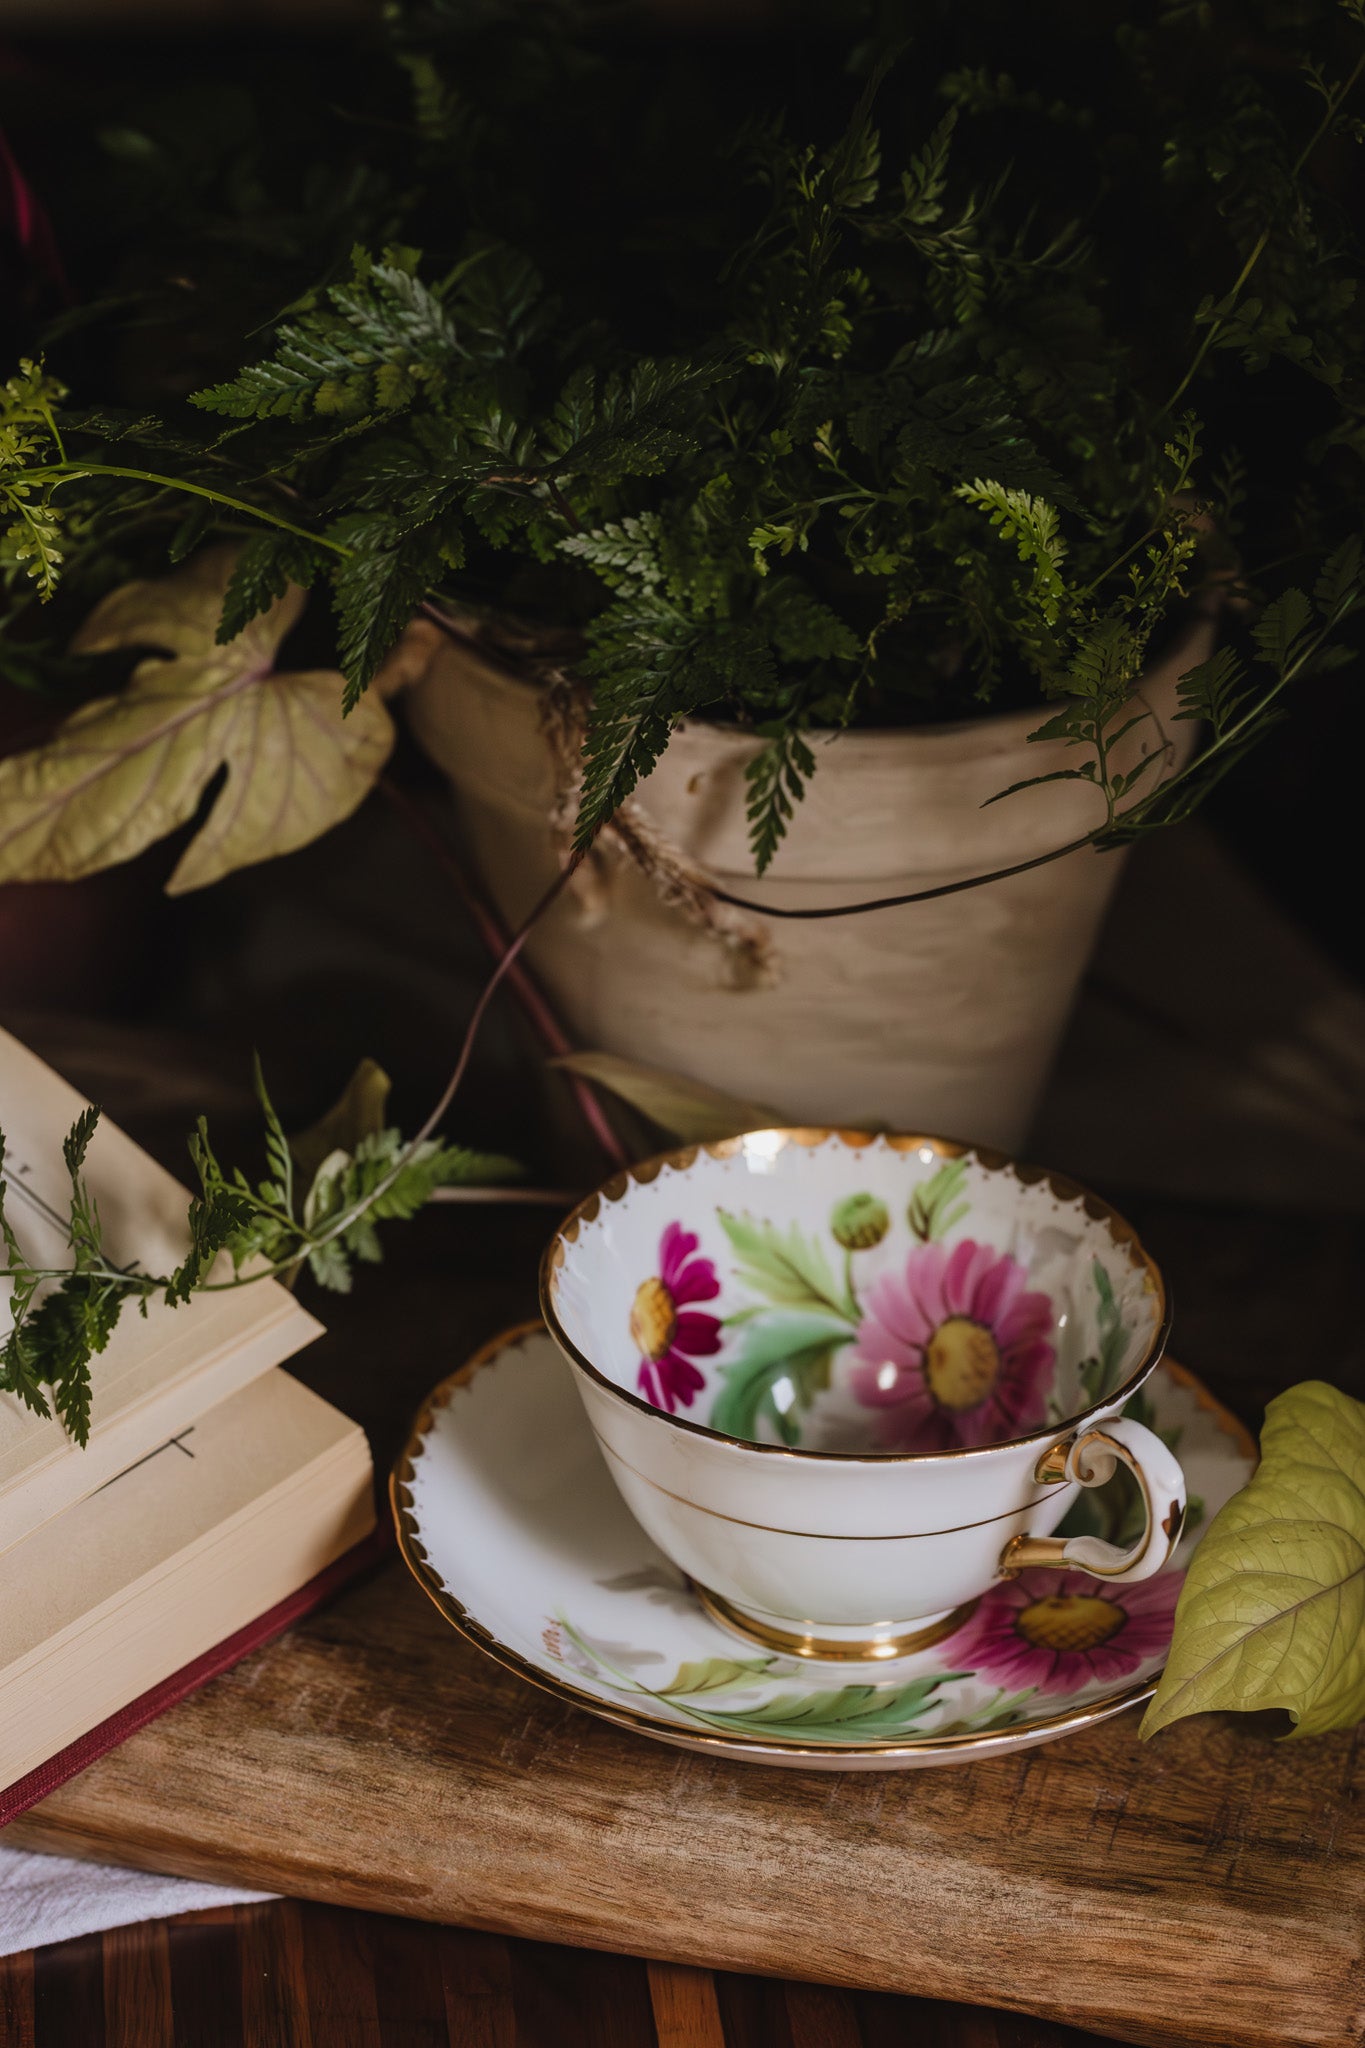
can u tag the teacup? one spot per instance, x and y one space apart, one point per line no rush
846 1381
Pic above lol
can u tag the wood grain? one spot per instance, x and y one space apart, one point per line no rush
686 2010
1196 1891
1205 1889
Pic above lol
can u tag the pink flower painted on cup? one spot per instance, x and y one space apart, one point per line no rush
1062 1630
954 1349
669 1333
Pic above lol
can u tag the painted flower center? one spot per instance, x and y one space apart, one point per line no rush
653 1319
1069 1622
961 1364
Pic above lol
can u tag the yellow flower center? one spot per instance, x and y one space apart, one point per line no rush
1069 1621
653 1319
961 1364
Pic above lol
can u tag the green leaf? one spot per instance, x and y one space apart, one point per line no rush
1100 1374
787 1355
940 1202
786 1267
279 1158
378 588
850 1711
357 1113
1280 631
123 771
685 1108
713 1674
775 782
263 572
1272 1613
1032 524
369 345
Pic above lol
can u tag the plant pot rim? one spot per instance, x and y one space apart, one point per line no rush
1000 731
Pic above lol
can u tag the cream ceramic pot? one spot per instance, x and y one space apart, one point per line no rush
944 1014
845 1382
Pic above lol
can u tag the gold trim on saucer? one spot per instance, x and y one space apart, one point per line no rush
801 1642
1001 1742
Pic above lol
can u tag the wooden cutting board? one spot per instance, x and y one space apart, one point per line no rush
1206 1888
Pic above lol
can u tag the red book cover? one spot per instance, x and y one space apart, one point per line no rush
27 1791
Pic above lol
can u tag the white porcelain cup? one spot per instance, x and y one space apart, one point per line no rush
847 1381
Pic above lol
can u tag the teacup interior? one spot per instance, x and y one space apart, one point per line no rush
883 1296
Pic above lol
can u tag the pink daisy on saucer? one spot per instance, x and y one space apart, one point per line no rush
1062 1630
671 1334
955 1348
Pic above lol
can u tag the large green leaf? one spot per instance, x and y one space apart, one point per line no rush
1273 1610
798 1349
848 1711
786 1267
124 771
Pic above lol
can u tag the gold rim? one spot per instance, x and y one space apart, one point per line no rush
985 1744
1121 1233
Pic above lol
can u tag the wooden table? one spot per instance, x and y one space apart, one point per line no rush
1206 1889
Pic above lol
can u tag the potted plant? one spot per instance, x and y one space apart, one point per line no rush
795 440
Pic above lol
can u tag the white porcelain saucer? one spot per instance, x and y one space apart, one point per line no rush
508 1518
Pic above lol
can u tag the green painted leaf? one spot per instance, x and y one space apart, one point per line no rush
1273 1610
939 1202
714 1674
796 1348
786 1267
850 1711
1100 1374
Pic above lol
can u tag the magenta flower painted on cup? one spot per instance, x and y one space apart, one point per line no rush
955 1349
1062 1630
669 1332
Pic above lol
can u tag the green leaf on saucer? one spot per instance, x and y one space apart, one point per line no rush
783 1363
713 1674
786 1267
849 1712
1272 1613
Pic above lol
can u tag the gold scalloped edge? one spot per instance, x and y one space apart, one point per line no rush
1122 1236
996 1742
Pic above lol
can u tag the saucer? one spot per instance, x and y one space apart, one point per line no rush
510 1521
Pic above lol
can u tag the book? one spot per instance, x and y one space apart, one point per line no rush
160 1372
191 1547
66 1763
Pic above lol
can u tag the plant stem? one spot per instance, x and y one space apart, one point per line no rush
1218 327
69 472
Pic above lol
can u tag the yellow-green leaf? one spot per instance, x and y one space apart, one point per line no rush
124 771
685 1108
1272 1613
359 1111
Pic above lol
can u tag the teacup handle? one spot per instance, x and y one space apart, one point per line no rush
1089 1458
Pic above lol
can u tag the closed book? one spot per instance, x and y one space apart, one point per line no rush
160 1372
171 1559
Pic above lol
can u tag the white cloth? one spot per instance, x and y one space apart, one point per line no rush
53 1898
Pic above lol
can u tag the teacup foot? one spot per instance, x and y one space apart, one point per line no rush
857 1645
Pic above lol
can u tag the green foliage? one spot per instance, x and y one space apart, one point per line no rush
1100 1372
786 1268
975 381
29 441
62 1317
783 1362
940 1202
1272 1612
